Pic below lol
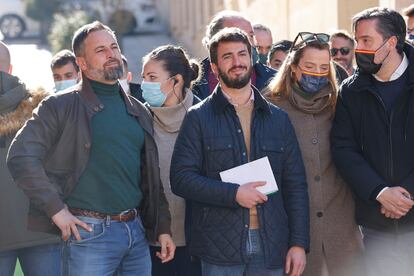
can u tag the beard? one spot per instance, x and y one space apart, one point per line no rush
111 73
238 82
344 62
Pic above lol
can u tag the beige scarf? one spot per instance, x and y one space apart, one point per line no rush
314 104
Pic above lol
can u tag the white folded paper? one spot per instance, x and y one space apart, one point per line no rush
257 170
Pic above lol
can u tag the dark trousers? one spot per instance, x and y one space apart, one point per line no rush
182 264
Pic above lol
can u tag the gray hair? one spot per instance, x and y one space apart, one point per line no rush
217 23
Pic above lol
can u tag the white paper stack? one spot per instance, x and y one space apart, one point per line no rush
257 170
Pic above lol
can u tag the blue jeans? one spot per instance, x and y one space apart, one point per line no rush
112 248
388 253
255 265
35 261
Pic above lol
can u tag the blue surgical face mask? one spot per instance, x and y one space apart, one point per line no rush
313 82
62 85
411 37
152 94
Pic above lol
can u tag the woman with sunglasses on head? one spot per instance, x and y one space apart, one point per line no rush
168 75
306 89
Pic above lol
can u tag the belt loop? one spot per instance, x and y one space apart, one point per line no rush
108 221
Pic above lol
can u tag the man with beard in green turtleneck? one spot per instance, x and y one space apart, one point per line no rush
88 161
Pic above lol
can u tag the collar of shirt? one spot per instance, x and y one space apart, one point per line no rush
249 101
398 72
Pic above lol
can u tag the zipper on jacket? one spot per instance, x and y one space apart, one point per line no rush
390 141
389 121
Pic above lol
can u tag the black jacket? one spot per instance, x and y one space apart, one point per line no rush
50 153
209 142
136 92
373 149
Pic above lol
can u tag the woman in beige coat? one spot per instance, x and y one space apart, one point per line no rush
306 89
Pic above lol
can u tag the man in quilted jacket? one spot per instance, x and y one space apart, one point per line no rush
235 229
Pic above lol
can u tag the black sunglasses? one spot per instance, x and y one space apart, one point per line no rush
344 51
303 38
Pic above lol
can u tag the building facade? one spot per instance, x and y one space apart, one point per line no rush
187 19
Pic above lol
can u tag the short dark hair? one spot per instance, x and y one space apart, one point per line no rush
409 11
82 33
343 34
389 23
282 45
227 35
62 58
176 61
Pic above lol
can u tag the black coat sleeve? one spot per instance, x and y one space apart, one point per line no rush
347 154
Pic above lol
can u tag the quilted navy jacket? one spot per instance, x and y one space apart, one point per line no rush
210 141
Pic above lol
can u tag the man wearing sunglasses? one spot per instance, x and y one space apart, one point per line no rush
342 50
372 140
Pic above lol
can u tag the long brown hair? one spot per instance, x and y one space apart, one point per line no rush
281 85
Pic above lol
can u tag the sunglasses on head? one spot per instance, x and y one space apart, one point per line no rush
304 38
344 51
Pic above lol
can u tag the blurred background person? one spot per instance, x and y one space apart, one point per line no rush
65 70
278 53
126 78
306 89
342 50
38 253
168 75
225 19
263 41
409 14
134 89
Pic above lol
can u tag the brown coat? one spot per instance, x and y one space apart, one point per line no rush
50 153
14 205
333 230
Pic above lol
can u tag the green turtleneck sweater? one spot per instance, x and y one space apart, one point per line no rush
111 180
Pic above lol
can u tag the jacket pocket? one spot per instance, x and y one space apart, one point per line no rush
274 150
219 154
